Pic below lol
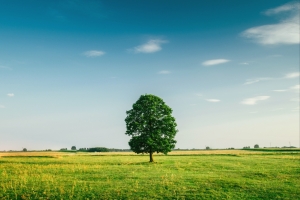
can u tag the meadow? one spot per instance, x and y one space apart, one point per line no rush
208 174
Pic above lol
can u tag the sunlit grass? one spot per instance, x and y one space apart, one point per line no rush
221 174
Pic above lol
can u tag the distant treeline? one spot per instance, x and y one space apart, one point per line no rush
95 149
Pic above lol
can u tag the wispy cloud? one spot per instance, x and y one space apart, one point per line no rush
255 80
284 8
254 100
214 62
244 63
151 46
287 76
274 56
295 99
11 94
279 90
284 32
2 106
213 100
5 67
94 53
292 75
164 72
296 87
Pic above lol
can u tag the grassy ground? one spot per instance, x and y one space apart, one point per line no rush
223 174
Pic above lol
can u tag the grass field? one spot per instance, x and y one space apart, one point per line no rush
221 174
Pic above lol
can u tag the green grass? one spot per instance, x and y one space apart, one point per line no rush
197 176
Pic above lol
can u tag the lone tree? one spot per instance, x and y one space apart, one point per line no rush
151 126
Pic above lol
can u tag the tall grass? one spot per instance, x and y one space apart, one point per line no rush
228 175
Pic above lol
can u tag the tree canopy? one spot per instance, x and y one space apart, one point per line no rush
151 126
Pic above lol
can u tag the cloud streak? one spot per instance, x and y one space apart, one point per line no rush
164 72
284 8
11 94
2 106
94 53
255 80
254 100
292 75
5 67
287 76
294 88
215 62
284 32
213 100
151 46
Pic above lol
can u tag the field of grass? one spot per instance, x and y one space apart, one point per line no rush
221 174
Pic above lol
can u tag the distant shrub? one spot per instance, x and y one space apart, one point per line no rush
256 146
207 148
73 148
246 147
98 149
24 149
63 149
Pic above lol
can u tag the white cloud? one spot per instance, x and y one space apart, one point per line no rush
213 100
151 46
215 62
255 80
93 53
296 87
253 101
284 32
164 72
278 90
10 94
2 106
295 99
287 76
5 67
284 8
292 75
244 63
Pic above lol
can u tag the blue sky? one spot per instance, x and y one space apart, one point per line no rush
69 70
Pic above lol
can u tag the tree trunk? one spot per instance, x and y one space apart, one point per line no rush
151 157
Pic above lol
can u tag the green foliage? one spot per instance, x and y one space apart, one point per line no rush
256 146
97 149
151 126
24 149
73 148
